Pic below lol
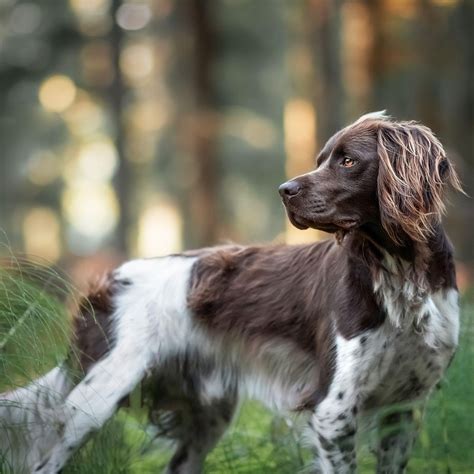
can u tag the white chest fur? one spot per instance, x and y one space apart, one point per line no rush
411 308
408 355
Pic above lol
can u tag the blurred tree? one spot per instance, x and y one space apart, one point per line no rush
123 177
202 123
457 108
37 39
325 41
219 90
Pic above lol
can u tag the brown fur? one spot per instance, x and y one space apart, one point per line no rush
93 337
295 294
413 172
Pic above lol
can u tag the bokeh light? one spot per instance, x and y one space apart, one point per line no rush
132 16
91 209
89 7
159 230
92 16
137 61
97 160
147 116
254 129
299 122
42 168
85 116
25 18
57 93
41 233
403 8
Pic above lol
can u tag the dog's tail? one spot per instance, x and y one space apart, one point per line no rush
30 421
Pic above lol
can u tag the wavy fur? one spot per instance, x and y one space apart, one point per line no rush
413 174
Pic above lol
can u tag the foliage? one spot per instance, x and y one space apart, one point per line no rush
33 321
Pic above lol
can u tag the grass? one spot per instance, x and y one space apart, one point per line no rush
34 326
34 334
447 439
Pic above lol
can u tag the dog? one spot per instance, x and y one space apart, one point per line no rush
336 329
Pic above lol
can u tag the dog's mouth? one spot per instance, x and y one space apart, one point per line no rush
348 224
298 221
303 223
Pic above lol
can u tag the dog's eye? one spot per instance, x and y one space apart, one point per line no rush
348 162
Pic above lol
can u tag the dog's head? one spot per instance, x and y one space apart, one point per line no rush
375 171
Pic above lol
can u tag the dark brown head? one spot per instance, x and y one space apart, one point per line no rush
375 172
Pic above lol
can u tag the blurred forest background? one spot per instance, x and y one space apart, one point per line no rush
138 128
141 127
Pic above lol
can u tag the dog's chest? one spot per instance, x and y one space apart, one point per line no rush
403 363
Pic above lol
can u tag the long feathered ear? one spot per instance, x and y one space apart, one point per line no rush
413 172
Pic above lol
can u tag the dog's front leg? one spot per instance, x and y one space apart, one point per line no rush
333 427
398 433
334 421
93 402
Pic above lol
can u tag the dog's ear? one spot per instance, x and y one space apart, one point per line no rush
413 172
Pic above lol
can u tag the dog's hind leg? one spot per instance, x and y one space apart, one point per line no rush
150 321
200 428
92 403
28 418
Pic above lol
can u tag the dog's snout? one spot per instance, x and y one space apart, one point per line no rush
289 189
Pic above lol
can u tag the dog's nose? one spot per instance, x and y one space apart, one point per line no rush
289 189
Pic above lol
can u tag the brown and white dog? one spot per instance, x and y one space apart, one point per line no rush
336 329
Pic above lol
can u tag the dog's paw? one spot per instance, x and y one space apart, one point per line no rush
47 467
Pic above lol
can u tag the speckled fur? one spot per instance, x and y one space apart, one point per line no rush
398 363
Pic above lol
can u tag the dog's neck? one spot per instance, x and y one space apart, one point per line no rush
405 277
431 261
378 236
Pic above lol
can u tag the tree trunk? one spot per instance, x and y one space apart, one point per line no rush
204 129
376 62
196 120
325 31
123 177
